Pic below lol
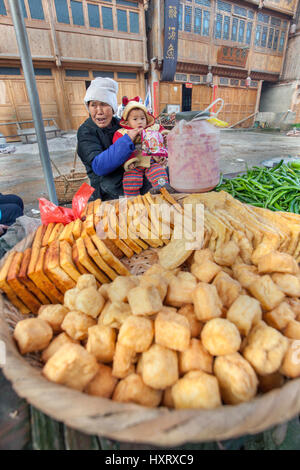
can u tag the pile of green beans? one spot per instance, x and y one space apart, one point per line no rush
277 188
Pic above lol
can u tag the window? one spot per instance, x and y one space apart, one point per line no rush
122 20
134 22
77 73
42 72
270 37
62 12
195 78
234 82
107 18
94 17
181 77
128 75
100 73
2 8
77 13
193 19
10 71
188 19
219 21
197 20
241 31
180 17
127 3
233 22
36 9
223 81
281 42
226 28
24 9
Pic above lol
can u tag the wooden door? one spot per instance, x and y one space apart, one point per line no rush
169 93
75 90
238 104
129 89
7 110
201 97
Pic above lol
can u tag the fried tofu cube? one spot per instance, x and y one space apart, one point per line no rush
237 378
137 333
70 297
144 300
206 302
265 349
266 383
76 325
206 271
90 302
180 289
226 254
276 261
292 330
295 306
195 357
280 316
32 334
290 366
114 314
103 384
101 342
227 288
104 291
172 330
220 337
118 290
244 313
200 256
53 315
157 281
245 274
266 291
189 312
197 390
72 366
160 367
133 390
123 361
86 280
55 344
288 283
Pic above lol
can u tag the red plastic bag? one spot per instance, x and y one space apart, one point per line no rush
57 214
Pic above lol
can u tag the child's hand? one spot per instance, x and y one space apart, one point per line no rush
131 166
133 133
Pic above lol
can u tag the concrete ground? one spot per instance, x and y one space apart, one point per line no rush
21 172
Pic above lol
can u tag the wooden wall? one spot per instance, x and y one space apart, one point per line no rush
239 102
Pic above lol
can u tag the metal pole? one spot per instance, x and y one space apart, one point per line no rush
23 43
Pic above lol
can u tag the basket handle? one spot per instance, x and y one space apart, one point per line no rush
74 162
60 174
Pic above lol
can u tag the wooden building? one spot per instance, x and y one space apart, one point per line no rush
285 95
71 43
232 40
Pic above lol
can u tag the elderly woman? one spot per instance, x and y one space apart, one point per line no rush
104 160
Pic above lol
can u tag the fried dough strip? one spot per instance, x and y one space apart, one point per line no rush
5 287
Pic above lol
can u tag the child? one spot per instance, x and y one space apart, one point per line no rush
150 153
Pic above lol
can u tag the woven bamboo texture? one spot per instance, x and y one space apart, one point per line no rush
134 423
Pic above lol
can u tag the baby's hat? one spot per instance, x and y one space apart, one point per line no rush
135 104
102 89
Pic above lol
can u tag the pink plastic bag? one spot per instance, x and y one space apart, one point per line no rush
153 144
57 214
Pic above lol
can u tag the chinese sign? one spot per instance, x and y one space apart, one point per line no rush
170 40
232 56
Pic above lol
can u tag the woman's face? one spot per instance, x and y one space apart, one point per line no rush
101 113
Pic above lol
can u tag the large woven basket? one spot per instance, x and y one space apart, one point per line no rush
67 185
130 422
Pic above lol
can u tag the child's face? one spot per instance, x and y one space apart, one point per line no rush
137 119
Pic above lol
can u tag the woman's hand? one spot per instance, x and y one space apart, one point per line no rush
133 133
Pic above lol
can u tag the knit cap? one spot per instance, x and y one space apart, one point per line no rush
102 89
135 104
